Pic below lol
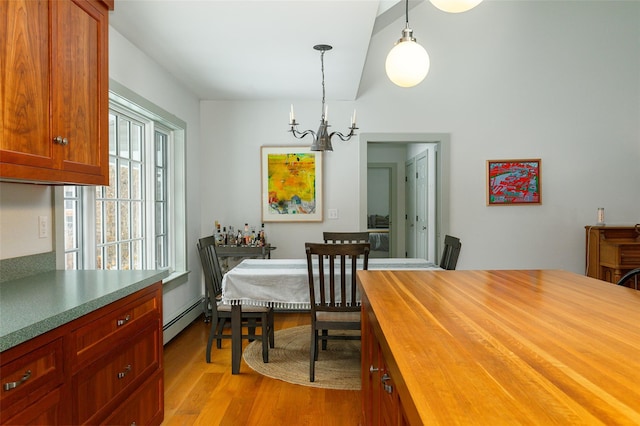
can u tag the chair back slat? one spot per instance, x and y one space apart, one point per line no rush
345 237
210 265
326 290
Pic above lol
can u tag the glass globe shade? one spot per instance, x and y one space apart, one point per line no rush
455 6
407 64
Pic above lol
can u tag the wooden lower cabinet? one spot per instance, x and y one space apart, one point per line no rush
61 378
381 404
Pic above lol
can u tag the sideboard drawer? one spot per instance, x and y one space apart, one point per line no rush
124 368
98 336
29 377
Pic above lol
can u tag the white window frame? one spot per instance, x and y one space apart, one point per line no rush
176 181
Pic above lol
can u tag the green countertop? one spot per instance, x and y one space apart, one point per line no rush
34 305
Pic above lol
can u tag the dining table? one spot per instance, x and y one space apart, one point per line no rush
283 284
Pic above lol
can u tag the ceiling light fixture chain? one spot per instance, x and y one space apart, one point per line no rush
322 138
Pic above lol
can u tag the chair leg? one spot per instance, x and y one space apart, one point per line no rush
212 335
219 330
313 350
252 329
325 333
271 329
265 337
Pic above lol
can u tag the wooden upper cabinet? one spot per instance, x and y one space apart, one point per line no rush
54 91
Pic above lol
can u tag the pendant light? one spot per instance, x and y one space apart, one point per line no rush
407 63
455 6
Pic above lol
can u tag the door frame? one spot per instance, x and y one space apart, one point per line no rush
442 186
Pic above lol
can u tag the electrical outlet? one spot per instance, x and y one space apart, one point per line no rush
43 226
333 213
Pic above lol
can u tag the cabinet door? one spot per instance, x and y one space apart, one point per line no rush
24 84
80 86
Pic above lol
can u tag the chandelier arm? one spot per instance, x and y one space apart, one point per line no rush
344 138
300 135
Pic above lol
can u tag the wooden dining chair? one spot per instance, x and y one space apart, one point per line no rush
335 304
449 259
345 237
252 316
630 279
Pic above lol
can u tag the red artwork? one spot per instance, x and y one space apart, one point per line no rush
513 182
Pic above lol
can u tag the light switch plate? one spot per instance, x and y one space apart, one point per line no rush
333 213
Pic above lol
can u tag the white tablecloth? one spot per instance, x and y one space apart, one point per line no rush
283 283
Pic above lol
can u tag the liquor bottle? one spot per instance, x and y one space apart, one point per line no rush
263 239
225 236
246 235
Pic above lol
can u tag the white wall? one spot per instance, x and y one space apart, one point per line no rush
20 207
556 80
136 71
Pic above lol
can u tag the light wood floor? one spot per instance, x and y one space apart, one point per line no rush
197 393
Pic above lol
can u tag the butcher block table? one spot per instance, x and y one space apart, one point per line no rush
504 347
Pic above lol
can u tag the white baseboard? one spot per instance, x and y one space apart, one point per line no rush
181 321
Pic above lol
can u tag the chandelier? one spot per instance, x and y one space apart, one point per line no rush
322 138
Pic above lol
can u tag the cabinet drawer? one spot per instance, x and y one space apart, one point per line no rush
630 255
145 407
29 377
118 373
45 412
99 336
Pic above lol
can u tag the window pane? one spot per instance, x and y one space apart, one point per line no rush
136 254
71 260
100 258
111 261
160 149
111 223
124 179
124 256
160 184
123 138
136 142
70 225
99 223
161 253
125 233
136 181
136 220
110 191
160 218
112 134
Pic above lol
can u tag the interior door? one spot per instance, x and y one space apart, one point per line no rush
410 199
422 206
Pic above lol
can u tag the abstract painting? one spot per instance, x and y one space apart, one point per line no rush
291 184
512 182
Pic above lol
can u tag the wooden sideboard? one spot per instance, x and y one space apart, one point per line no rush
611 251
102 368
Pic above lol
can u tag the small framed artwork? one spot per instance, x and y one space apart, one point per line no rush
512 182
291 184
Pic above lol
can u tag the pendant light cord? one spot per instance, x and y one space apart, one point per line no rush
322 69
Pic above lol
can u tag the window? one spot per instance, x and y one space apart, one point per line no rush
131 224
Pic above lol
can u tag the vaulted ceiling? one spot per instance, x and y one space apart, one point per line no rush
261 49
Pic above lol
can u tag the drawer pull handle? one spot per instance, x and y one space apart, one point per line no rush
13 385
123 321
384 379
122 374
61 141
373 369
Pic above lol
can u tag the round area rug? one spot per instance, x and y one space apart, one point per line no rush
337 367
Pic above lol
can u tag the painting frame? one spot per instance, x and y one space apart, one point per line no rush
301 198
524 186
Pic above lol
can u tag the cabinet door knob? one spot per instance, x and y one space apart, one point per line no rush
61 141
13 385
373 369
